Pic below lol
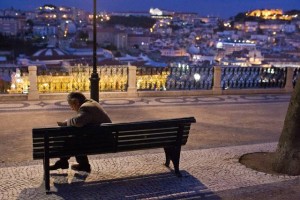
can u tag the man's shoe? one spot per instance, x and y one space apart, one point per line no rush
59 165
78 167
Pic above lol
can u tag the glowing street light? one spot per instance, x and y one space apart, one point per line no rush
197 77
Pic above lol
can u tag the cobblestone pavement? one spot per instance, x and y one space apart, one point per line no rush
147 101
240 123
205 173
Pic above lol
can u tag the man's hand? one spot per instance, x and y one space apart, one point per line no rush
62 123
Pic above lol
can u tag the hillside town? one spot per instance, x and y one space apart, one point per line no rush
57 38
64 34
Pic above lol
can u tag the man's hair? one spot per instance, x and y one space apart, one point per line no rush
76 96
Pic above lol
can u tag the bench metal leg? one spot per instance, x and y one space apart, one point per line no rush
168 156
46 174
46 163
173 153
176 159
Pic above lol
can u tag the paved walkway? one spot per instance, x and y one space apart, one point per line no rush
209 172
205 172
148 101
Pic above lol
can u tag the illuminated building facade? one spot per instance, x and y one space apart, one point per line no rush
236 45
47 12
271 14
171 52
251 26
189 17
160 14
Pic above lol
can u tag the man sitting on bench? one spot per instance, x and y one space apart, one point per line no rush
89 113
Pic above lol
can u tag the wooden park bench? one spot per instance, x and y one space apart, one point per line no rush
169 134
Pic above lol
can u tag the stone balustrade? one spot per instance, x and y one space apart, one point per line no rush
130 81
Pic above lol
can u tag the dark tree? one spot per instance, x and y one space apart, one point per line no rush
118 54
82 35
287 156
110 47
239 17
292 12
17 46
132 21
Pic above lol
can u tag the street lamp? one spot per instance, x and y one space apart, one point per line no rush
197 77
94 76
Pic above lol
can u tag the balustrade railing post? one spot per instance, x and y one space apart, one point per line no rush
33 93
217 80
132 89
289 79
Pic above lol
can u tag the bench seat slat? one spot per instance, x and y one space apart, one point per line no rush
145 139
133 147
149 135
145 130
58 154
162 141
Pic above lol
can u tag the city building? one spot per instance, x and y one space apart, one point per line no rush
235 45
110 36
141 41
12 25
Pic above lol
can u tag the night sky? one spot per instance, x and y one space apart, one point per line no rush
220 8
